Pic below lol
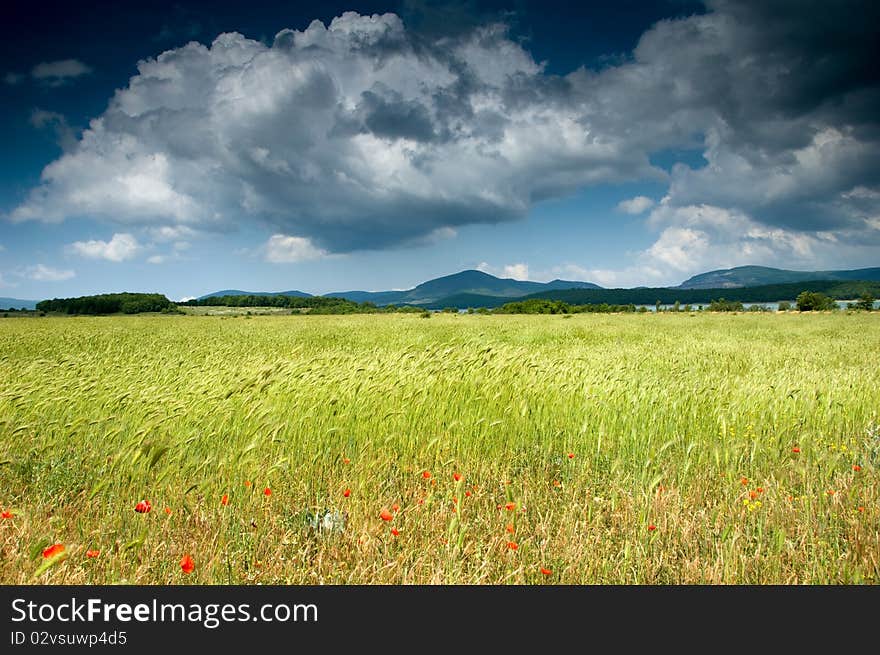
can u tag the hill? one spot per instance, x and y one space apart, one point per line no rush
839 289
16 303
465 282
753 276
236 292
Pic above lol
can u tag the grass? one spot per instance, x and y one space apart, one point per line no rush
592 429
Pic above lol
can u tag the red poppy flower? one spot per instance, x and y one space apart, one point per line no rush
143 507
53 550
753 494
744 481
557 483
861 509
545 571
760 490
652 527
395 508
467 494
6 514
856 468
510 507
91 554
395 532
168 510
385 515
346 493
795 450
267 491
512 545
510 528
247 483
426 475
420 501
225 499
346 460
571 455
186 564
830 492
456 476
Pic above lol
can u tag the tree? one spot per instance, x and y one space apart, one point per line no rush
865 302
783 306
722 305
808 301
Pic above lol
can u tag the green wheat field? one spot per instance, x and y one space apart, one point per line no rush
463 449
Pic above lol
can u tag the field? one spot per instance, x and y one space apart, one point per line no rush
469 449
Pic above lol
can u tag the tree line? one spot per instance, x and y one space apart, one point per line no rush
311 304
109 303
840 290
135 303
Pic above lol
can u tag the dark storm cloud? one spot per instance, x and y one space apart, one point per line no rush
388 115
367 134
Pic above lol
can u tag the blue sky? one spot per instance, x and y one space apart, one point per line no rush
189 147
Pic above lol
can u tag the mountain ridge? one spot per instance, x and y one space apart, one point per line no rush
753 276
472 282
467 281
17 303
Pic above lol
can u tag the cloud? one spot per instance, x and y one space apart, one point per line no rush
698 238
56 73
166 233
635 205
518 271
120 248
43 273
13 78
354 135
282 249
363 134
64 134
157 259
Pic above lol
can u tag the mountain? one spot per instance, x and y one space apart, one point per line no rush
473 288
236 292
753 276
838 289
15 303
465 282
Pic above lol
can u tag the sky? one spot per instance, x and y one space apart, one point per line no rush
188 147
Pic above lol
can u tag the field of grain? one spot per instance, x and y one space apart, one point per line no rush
374 449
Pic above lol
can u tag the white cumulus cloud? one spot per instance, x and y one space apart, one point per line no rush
283 249
516 271
636 205
120 248
43 273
